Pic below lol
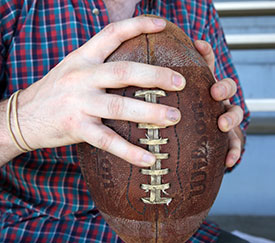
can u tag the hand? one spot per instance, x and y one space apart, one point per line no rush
66 106
229 121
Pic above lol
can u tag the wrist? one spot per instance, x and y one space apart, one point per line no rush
10 123
8 149
26 109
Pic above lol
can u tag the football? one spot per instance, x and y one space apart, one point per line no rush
168 201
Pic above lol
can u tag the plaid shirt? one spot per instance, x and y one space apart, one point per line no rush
43 197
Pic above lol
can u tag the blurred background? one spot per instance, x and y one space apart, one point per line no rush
246 201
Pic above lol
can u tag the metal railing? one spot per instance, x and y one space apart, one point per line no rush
245 9
262 124
261 105
259 124
235 9
251 41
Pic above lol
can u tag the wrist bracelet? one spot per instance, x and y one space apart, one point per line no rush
12 105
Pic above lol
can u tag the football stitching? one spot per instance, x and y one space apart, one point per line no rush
153 141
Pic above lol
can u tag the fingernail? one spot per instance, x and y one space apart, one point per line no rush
178 81
173 115
148 159
159 22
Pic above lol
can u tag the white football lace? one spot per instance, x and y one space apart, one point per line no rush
154 141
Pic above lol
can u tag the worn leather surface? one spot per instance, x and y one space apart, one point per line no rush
196 147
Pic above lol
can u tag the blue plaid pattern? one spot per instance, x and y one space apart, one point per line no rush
43 197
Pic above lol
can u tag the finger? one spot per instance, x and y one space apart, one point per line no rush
206 51
232 118
123 108
223 89
106 139
122 74
234 152
109 39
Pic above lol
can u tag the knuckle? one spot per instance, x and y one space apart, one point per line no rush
152 113
121 71
161 74
157 76
239 114
115 106
158 114
232 87
105 140
234 119
131 154
151 110
237 142
228 89
109 29
141 21
240 110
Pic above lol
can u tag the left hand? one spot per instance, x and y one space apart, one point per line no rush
230 120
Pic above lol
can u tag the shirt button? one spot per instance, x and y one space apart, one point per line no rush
96 11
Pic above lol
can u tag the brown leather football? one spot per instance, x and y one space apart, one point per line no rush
168 201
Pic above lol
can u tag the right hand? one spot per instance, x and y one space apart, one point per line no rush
66 106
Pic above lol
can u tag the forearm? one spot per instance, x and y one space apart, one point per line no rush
8 150
31 129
